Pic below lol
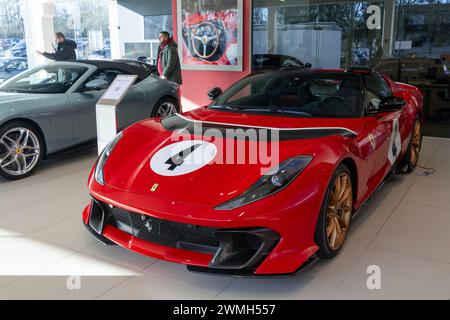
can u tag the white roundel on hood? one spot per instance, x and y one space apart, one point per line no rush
183 157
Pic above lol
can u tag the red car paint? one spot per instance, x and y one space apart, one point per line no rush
292 213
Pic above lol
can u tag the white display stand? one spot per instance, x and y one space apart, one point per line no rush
106 109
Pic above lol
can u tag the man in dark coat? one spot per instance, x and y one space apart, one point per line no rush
169 66
65 50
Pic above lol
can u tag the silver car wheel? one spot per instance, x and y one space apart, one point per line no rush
20 151
166 109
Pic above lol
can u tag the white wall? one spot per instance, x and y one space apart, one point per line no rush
125 26
38 23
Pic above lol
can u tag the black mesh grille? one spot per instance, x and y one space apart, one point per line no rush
164 232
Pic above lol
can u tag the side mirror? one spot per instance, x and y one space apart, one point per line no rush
308 65
391 104
214 93
96 84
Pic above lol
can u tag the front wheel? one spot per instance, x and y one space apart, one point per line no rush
21 150
165 108
412 154
336 214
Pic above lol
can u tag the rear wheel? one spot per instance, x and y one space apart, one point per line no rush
413 152
336 214
165 107
21 150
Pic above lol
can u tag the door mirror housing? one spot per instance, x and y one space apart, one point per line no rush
214 93
308 65
96 84
391 104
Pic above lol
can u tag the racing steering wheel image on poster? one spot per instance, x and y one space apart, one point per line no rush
211 33
207 40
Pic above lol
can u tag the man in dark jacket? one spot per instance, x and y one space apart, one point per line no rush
169 66
65 50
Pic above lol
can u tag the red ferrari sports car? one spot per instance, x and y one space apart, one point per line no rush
173 189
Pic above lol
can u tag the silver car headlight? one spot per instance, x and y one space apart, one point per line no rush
273 182
99 177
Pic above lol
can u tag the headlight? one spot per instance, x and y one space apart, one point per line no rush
275 181
103 158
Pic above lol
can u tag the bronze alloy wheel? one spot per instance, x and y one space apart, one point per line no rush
416 143
339 211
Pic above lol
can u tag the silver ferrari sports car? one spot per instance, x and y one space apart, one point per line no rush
51 108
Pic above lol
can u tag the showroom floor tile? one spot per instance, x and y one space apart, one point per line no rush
402 276
45 253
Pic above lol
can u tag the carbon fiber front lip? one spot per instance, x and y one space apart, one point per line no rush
250 273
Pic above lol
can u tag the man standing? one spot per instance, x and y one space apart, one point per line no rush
65 50
169 66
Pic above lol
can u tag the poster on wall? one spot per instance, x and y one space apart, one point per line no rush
210 34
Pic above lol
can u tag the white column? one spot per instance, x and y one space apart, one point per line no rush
272 31
388 27
114 29
39 32
131 27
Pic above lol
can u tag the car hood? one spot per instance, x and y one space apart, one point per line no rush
133 165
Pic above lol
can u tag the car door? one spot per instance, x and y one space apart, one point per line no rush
133 107
384 129
44 99
83 102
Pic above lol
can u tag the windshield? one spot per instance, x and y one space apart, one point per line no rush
273 62
317 95
46 79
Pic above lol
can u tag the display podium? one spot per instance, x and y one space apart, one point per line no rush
106 109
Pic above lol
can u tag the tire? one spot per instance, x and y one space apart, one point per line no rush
21 150
412 153
165 102
328 248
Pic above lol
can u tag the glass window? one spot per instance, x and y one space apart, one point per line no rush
303 95
13 48
46 79
87 23
107 75
377 86
377 89
422 28
326 34
154 24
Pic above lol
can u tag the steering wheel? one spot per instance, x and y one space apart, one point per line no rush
331 99
205 33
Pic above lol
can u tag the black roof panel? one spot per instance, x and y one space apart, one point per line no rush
122 66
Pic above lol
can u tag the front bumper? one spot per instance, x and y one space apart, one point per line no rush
241 250
287 229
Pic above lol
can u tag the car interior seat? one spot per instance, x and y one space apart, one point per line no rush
292 97
110 76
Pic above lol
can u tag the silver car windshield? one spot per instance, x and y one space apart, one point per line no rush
46 79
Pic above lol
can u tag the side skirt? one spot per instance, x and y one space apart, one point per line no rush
388 177
77 148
